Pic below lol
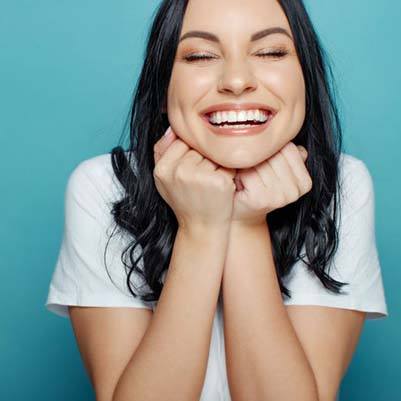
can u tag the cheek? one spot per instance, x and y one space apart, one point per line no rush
296 90
187 86
286 82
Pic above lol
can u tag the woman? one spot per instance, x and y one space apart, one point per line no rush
231 221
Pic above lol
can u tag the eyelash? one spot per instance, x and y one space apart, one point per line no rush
276 54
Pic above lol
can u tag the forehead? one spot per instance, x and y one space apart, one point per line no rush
233 18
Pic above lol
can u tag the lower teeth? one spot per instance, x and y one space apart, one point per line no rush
237 126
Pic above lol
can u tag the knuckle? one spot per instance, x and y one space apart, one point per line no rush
291 147
208 163
180 173
193 155
180 143
219 183
226 183
308 184
279 201
160 170
156 147
293 195
260 203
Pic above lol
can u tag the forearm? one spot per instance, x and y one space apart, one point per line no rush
170 362
265 360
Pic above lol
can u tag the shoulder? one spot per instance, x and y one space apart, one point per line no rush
97 169
90 270
356 183
356 260
93 183
353 169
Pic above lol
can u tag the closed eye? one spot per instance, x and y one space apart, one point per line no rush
274 54
278 54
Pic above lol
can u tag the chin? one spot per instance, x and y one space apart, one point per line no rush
232 162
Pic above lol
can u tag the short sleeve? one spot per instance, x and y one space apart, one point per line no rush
356 260
80 276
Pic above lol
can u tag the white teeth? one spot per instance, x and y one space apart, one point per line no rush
250 115
238 116
232 117
242 115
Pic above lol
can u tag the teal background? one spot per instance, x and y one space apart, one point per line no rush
67 73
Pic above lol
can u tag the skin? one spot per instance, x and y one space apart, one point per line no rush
294 354
273 183
273 352
236 72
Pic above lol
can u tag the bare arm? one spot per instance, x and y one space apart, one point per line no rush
265 360
166 359
277 352
107 337
170 361
134 354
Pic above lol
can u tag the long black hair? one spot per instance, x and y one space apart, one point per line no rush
148 220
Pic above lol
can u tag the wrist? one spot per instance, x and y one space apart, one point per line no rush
249 224
244 231
207 231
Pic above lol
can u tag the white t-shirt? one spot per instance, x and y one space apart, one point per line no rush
80 276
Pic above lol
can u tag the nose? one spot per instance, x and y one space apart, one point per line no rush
236 78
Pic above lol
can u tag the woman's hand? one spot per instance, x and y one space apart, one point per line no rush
199 191
272 184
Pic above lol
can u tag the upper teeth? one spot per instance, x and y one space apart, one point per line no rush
219 117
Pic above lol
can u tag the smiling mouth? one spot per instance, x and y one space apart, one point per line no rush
249 123
238 128
240 120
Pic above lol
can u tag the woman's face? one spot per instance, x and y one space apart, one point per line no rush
236 73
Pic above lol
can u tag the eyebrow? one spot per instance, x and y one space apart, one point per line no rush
256 36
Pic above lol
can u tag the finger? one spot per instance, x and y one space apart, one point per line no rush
250 178
164 145
165 141
297 163
303 152
208 164
283 172
228 172
161 146
172 153
192 156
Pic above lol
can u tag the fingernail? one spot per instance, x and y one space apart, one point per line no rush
168 132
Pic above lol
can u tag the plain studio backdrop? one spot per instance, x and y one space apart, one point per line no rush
68 70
